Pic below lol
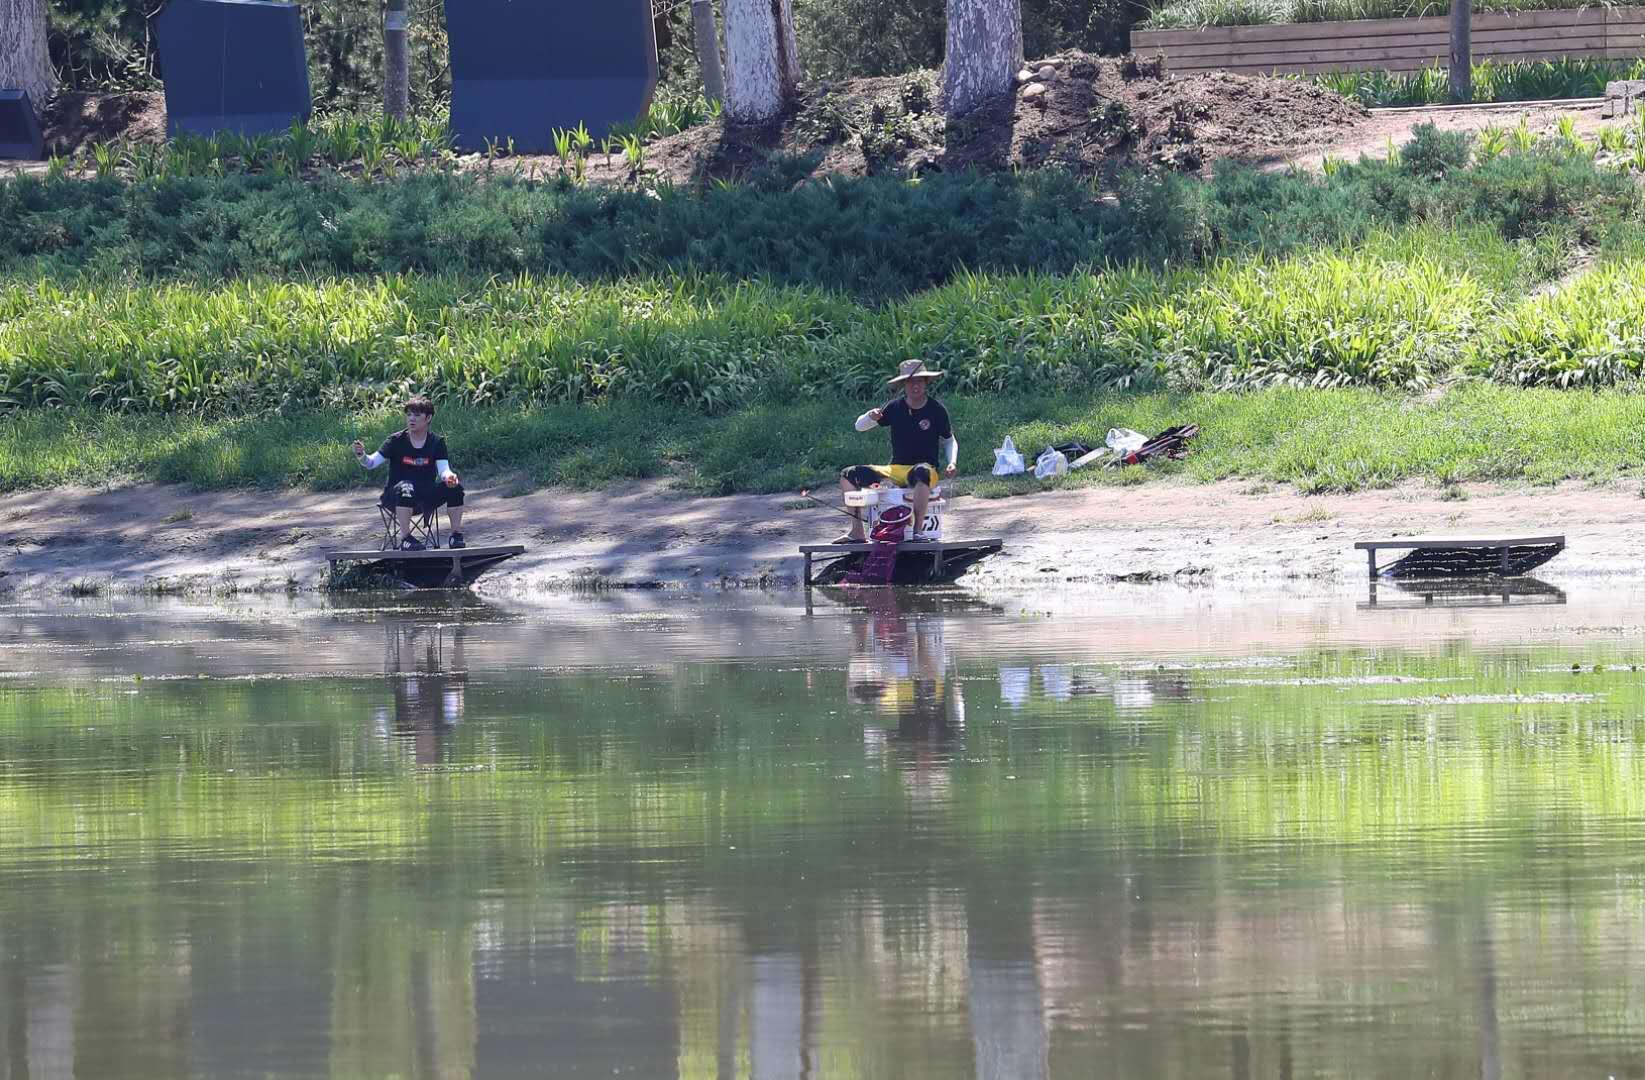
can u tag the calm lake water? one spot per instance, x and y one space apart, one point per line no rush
1140 833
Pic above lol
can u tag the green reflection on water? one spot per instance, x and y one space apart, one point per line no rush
889 863
1334 749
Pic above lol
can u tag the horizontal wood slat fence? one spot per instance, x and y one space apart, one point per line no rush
1615 33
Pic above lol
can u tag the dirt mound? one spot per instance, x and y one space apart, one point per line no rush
1089 114
1077 111
74 121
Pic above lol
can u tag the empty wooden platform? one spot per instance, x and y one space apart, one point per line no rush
433 568
927 560
1457 556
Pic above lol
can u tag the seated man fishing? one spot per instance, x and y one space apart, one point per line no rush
918 424
419 474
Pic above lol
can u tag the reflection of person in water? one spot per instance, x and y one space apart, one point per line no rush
429 685
902 668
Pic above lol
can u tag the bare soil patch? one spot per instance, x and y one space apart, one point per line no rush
1383 128
1075 111
75 121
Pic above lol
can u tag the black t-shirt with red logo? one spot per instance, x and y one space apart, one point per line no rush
915 432
411 464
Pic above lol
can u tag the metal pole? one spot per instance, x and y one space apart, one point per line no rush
708 48
396 64
1462 53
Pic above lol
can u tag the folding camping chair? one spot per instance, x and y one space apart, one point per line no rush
425 527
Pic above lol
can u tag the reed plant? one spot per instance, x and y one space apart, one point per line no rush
1538 80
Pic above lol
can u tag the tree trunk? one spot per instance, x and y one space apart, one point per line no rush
396 60
983 54
708 49
761 58
1462 52
24 62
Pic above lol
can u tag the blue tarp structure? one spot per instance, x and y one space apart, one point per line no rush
521 68
19 127
233 65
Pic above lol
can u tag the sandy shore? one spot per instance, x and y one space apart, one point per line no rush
1228 533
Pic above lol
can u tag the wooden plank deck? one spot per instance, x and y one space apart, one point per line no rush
1504 544
938 549
465 563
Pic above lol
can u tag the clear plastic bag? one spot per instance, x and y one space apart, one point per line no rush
1051 463
1007 460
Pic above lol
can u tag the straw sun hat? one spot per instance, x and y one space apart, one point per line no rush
911 369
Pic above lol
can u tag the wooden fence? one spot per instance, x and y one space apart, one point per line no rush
1614 33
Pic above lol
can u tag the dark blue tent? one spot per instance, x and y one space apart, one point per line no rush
521 68
233 65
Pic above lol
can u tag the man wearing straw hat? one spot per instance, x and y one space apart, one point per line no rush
918 424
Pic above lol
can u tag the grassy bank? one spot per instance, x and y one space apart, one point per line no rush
242 330
1318 440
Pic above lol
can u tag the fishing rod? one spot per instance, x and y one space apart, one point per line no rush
806 494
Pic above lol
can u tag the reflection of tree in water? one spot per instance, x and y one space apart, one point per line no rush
429 680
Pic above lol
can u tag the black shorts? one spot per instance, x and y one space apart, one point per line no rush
422 500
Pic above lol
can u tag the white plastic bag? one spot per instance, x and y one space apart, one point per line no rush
1051 463
1007 460
1123 440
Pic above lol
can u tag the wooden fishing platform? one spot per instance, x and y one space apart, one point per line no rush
435 568
1445 556
919 562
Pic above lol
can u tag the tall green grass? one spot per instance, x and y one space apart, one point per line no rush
1590 333
1538 80
1395 312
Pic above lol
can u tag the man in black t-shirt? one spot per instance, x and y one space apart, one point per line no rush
919 427
419 473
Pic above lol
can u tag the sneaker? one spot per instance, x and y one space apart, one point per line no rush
411 543
455 540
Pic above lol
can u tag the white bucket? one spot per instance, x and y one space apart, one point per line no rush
878 499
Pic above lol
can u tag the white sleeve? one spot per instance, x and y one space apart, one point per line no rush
442 468
865 422
953 442
372 460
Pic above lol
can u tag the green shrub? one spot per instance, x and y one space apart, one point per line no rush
1433 154
878 238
